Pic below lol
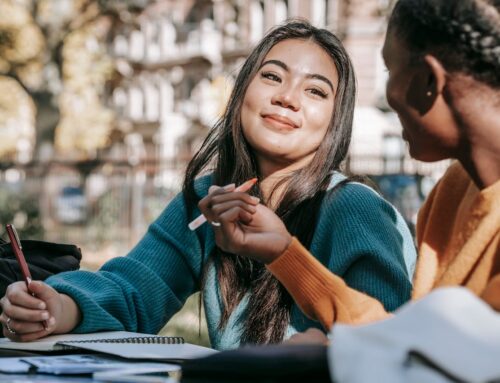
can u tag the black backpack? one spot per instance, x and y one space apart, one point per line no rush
44 259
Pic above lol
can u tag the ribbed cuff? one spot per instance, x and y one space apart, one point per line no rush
302 274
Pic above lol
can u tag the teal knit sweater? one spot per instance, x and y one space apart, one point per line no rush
359 236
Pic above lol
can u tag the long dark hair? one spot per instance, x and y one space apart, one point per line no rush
226 152
464 35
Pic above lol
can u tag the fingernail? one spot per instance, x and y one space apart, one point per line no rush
256 199
45 315
51 321
41 306
229 187
213 188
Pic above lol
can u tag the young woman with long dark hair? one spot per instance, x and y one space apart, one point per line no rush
443 59
288 123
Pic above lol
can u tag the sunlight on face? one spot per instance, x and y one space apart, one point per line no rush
289 104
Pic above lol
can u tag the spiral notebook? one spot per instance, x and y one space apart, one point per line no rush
119 343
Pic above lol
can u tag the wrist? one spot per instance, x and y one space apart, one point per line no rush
282 243
69 316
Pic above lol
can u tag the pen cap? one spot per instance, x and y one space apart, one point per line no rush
16 247
13 236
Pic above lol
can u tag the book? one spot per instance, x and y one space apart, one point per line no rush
89 364
149 351
118 343
13 365
56 342
138 374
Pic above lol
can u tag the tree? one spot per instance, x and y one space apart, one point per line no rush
54 52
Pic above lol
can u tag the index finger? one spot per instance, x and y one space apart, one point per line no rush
246 186
17 294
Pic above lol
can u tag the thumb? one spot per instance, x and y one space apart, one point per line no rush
226 188
213 188
42 290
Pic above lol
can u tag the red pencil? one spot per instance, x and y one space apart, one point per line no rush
18 251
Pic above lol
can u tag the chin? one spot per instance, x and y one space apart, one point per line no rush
426 156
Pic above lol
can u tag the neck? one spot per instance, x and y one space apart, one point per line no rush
483 166
273 173
481 157
477 109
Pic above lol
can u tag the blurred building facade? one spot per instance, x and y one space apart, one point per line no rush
179 61
174 64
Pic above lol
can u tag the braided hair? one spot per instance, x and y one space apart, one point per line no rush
463 34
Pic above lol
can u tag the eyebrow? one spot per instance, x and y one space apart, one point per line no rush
316 76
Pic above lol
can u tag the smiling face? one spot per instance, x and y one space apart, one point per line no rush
289 103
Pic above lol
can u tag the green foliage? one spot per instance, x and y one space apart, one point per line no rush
189 323
104 227
22 210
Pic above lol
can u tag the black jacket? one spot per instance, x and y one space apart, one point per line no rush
44 259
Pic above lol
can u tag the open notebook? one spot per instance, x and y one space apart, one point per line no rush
120 343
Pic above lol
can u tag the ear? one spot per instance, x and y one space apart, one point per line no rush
427 82
438 73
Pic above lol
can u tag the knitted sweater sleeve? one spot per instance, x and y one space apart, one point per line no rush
355 271
141 291
320 294
491 293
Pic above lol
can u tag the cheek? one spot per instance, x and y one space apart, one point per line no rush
391 95
252 96
248 111
319 117
244 116
396 89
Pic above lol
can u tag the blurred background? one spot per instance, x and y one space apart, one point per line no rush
102 103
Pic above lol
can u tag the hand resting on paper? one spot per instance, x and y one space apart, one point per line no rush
23 315
310 336
247 228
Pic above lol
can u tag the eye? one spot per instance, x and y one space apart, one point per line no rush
270 76
318 92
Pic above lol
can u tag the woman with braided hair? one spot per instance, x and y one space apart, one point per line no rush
443 59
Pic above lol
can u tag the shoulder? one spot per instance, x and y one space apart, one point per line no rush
354 196
355 209
452 194
176 209
356 221
456 172
455 178
448 192
201 184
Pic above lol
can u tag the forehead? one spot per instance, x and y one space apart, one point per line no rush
304 56
394 50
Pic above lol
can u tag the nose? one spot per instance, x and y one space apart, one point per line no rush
287 97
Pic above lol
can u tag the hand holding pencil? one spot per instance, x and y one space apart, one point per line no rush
21 260
201 219
32 309
244 226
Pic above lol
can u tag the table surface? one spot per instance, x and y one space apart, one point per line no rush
39 378
46 378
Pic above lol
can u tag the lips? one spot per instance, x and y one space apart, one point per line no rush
279 121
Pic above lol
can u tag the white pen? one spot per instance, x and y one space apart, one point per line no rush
201 219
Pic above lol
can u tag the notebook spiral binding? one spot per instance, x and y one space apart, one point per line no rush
138 340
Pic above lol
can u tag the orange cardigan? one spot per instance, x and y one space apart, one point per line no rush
458 235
